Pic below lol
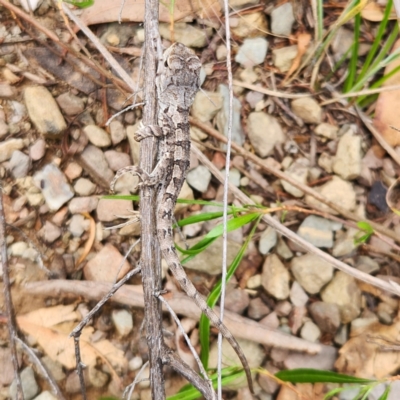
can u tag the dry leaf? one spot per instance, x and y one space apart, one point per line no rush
388 106
90 241
104 11
46 326
373 12
303 41
365 355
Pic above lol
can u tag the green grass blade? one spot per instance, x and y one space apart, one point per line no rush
320 19
188 392
204 325
377 41
354 55
385 394
308 375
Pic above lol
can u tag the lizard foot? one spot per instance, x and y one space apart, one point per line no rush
134 170
147 131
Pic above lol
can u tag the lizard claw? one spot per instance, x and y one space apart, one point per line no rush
134 170
147 131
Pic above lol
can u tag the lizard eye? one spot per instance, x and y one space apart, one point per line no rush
175 62
193 63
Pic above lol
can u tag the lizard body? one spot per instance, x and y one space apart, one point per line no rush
177 84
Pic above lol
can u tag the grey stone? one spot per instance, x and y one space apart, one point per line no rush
283 57
344 292
50 232
199 178
327 130
264 132
19 164
96 164
123 321
80 205
237 300
275 278
84 187
46 395
325 161
249 25
3 129
135 363
73 171
326 316
210 260
17 249
298 296
318 231
7 91
268 240
299 172
97 136
310 332
54 186
117 160
345 245
105 266
347 162
222 117
44 112
324 360
308 110
70 104
8 147
117 132
186 34
30 387
337 191
37 150
367 264
206 105
257 309
282 249
253 351
109 210
78 225
271 321
54 367
282 19
311 272
252 52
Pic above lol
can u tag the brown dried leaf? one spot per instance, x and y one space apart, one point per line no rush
367 355
303 41
104 11
388 105
373 12
47 326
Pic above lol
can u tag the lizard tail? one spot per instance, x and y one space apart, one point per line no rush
169 252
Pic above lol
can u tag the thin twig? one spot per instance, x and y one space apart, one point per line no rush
78 329
132 296
362 276
42 368
226 188
268 91
130 388
102 49
193 351
11 323
387 147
